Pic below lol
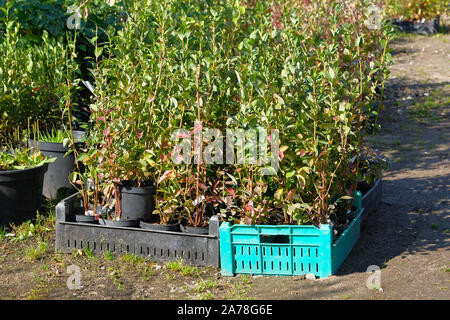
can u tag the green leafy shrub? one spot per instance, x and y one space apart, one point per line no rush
416 9
31 78
20 159
310 69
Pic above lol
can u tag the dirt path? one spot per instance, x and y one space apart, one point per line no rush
408 237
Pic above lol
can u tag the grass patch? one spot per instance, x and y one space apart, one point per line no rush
88 252
2 233
185 270
205 285
108 255
116 276
131 259
36 253
206 296
147 272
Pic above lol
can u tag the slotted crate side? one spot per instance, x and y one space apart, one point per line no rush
158 247
306 249
248 253
372 198
201 250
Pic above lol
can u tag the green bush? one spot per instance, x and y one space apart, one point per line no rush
31 78
308 69
416 9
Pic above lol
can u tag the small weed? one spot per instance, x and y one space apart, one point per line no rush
131 258
147 272
240 289
204 286
108 255
434 226
115 275
185 270
77 253
346 296
170 277
175 265
189 271
41 226
206 296
36 253
246 279
58 256
2 233
40 291
89 253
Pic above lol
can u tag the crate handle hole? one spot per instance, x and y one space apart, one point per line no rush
274 239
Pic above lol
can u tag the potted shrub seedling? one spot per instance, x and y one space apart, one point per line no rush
21 180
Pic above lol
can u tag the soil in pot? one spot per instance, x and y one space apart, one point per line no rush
137 202
56 179
20 194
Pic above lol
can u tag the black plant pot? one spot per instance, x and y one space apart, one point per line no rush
85 219
425 27
136 203
163 227
79 136
57 177
20 194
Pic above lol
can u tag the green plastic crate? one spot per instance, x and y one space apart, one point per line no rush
286 250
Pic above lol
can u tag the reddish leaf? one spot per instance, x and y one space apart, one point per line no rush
165 175
231 191
139 133
184 135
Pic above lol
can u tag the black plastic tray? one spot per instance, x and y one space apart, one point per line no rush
371 199
194 249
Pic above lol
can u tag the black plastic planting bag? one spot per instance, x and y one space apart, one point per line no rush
424 27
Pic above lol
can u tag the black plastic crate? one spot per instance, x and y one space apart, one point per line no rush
194 249
372 198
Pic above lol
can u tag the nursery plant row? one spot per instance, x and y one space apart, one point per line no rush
190 121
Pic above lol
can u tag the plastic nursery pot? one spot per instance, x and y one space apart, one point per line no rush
163 227
425 27
118 223
20 194
136 203
79 136
56 179
85 219
80 216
